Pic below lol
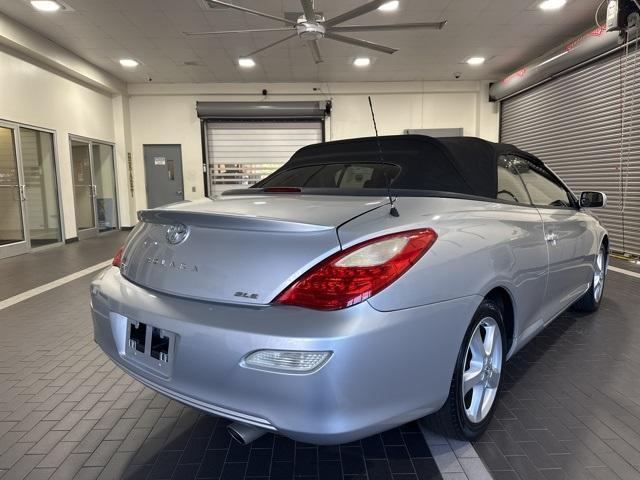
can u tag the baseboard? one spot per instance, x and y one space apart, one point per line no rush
71 240
126 229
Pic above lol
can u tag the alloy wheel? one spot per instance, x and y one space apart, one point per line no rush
598 275
482 369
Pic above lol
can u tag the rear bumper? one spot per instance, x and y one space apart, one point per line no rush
387 368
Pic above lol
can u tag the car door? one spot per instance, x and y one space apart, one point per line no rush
566 234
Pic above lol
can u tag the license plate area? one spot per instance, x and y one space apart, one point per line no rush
150 347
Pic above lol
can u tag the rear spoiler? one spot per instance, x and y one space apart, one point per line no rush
226 221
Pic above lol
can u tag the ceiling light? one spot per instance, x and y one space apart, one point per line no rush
389 6
129 62
362 62
552 4
246 63
46 5
475 61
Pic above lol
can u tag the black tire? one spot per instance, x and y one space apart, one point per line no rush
590 302
451 420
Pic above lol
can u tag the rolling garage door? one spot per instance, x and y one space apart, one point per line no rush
585 125
242 153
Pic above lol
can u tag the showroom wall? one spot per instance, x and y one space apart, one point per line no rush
35 96
166 114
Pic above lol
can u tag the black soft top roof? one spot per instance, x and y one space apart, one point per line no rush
470 162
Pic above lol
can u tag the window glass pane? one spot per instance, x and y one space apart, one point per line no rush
543 190
335 175
39 167
82 185
510 186
11 230
105 186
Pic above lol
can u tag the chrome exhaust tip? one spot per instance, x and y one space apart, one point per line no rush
244 434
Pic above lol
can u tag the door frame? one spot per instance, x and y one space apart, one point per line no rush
144 167
56 160
23 246
95 231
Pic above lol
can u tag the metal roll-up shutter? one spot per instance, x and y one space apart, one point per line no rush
585 125
243 153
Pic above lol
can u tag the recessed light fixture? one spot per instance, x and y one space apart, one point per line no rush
246 63
552 4
46 5
475 60
362 62
129 62
389 6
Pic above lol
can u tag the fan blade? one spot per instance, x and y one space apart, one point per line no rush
356 12
389 28
360 43
225 32
309 13
288 37
252 12
315 51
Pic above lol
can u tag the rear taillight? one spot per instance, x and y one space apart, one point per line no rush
117 258
359 272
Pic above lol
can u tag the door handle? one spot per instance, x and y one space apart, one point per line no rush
94 191
551 238
179 192
23 194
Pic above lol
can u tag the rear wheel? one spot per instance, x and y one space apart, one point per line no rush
590 301
476 379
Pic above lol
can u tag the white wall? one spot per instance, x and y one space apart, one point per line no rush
166 114
38 97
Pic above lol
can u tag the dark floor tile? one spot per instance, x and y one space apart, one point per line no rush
328 452
524 467
492 456
220 438
283 449
265 441
329 470
185 472
238 453
165 465
281 470
392 437
373 447
378 470
306 461
416 445
195 450
212 464
233 471
426 469
399 460
259 462
352 461
205 426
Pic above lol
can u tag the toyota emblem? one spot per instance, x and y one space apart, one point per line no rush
177 233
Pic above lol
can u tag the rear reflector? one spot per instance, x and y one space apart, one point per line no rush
117 258
286 360
351 276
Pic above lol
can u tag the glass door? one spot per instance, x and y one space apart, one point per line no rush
40 178
84 189
13 237
105 181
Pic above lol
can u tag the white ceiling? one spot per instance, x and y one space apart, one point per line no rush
507 32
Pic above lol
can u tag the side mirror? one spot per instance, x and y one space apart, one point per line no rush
593 200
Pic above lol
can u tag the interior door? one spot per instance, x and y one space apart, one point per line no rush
13 234
163 174
84 189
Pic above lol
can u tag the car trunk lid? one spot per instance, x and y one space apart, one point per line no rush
241 249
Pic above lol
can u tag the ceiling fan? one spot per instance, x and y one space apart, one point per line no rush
311 27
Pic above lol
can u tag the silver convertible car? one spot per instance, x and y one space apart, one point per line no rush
366 283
